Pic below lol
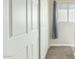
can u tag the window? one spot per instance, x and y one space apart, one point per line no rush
65 14
62 15
71 15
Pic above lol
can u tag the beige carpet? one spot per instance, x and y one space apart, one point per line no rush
60 53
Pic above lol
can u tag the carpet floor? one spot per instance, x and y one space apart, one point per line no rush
60 52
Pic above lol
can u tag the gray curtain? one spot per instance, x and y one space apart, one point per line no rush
55 34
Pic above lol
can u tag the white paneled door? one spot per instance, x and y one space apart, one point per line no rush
21 32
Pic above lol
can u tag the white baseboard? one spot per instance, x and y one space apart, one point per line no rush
62 45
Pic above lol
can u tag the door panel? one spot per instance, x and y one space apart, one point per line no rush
34 14
22 41
23 54
29 14
19 16
7 58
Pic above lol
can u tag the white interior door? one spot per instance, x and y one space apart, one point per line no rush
21 35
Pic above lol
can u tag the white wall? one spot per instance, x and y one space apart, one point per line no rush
65 35
44 27
65 30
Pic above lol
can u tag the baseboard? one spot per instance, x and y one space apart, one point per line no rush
62 45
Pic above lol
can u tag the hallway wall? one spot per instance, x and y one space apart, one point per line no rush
65 35
44 27
65 31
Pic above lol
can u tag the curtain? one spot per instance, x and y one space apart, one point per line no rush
55 34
